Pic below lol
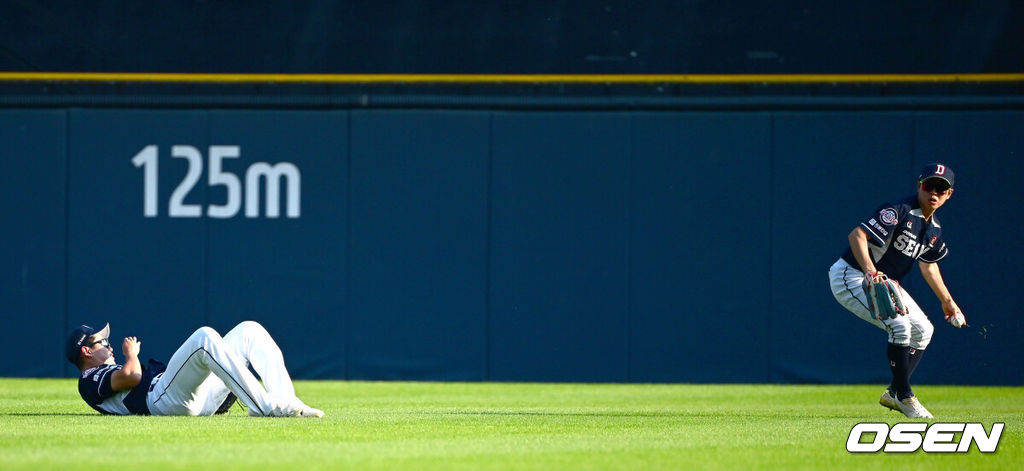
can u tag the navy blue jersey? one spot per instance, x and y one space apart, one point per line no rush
898 234
95 388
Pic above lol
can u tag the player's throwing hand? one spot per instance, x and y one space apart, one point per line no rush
953 314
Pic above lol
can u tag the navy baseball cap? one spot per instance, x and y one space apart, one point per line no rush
936 171
83 335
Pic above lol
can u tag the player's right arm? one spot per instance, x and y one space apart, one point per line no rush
859 246
130 373
930 272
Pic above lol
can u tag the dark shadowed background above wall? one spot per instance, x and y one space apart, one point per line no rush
551 36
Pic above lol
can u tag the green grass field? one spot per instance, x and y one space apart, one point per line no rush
401 425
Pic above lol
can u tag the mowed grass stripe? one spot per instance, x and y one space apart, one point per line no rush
410 425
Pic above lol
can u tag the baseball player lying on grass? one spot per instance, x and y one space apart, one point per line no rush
204 377
885 247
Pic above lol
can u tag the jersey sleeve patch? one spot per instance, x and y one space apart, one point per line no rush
888 216
882 225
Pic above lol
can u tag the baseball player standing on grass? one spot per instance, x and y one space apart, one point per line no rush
887 245
204 376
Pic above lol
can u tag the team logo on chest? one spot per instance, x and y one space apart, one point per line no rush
906 244
888 216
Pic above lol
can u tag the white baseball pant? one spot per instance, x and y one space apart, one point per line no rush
207 366
913 329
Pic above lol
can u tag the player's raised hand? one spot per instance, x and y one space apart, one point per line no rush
131 346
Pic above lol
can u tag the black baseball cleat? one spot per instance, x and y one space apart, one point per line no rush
226 405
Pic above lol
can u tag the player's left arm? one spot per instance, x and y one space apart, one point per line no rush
930 272
130 374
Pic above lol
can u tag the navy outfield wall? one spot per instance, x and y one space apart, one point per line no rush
505 246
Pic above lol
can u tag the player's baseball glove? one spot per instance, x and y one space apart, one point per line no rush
884 298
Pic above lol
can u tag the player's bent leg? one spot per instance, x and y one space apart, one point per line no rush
174 393
921 328
255 345
899 330
224 362
215 392
846 287
903 332
252 341
845 282
205 352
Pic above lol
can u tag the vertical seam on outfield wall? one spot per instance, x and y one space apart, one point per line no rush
771 243
206 235
347 320
67 234
630 171
488 231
